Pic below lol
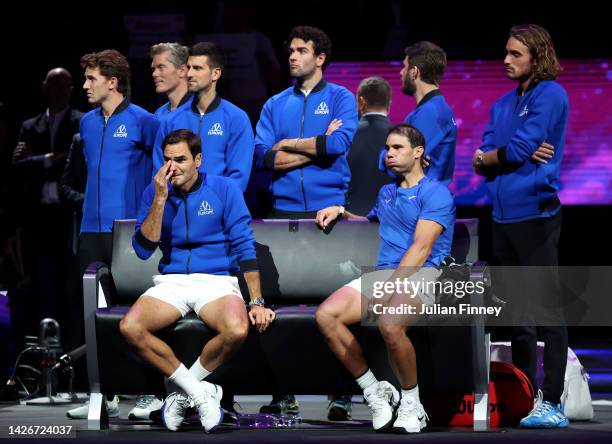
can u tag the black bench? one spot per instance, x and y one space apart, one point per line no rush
300 266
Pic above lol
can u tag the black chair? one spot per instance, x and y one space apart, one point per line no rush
300 266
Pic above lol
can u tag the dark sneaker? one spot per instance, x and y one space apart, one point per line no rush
340 408
286 404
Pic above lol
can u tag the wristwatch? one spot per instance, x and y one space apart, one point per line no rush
257 301
341 210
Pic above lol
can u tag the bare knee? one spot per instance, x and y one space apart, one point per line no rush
235 332
132 330
392 334
325 318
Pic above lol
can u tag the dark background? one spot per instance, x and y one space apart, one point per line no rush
37 37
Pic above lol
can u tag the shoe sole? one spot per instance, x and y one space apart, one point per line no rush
387 427
163 419
404 431
133 417
212 430
338 416
546 426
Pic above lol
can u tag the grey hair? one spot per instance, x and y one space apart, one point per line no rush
178 53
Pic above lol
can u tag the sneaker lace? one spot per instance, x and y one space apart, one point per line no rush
409 408
181 401
144 401
378 399
543 409
201 399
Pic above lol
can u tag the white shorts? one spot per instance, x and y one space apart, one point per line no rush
190 292
421 277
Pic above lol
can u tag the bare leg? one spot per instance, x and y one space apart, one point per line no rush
146 316
343 308
400 350
228 317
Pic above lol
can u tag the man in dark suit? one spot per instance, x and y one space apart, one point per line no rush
373 103
38 163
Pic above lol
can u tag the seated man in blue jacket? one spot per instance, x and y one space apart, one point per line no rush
417 218
201 224
309 165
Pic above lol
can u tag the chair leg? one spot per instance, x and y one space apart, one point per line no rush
97 417
481 394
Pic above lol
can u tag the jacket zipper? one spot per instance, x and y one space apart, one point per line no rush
99 164
187 230
302 169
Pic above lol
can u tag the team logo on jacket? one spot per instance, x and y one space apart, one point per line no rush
215 130
121 131
524 112
322 108
205 209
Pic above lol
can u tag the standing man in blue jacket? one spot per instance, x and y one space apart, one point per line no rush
520 157
117 138
225 129
169 72
309 162
201 224
423 68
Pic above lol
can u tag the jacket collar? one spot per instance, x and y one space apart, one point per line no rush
122 106
430 95
213 105
184 100
319 86
531 86
195 187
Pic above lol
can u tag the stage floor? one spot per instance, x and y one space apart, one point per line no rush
314 427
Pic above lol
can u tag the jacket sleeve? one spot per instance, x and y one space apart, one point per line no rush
265 138
239 151
489 134
339 141
545 109
150 126
71 186
236 219
158 153
143 247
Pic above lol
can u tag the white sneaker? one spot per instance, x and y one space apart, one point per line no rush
174 409
382 398
208 403
145 404
411 416
81 412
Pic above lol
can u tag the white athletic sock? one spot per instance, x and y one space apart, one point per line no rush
185 380
366 380
198 371
411 393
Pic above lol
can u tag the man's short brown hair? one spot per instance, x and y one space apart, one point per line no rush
111 63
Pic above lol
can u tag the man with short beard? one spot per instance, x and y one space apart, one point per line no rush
225 129
422 70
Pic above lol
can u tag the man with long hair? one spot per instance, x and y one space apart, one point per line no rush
520 158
